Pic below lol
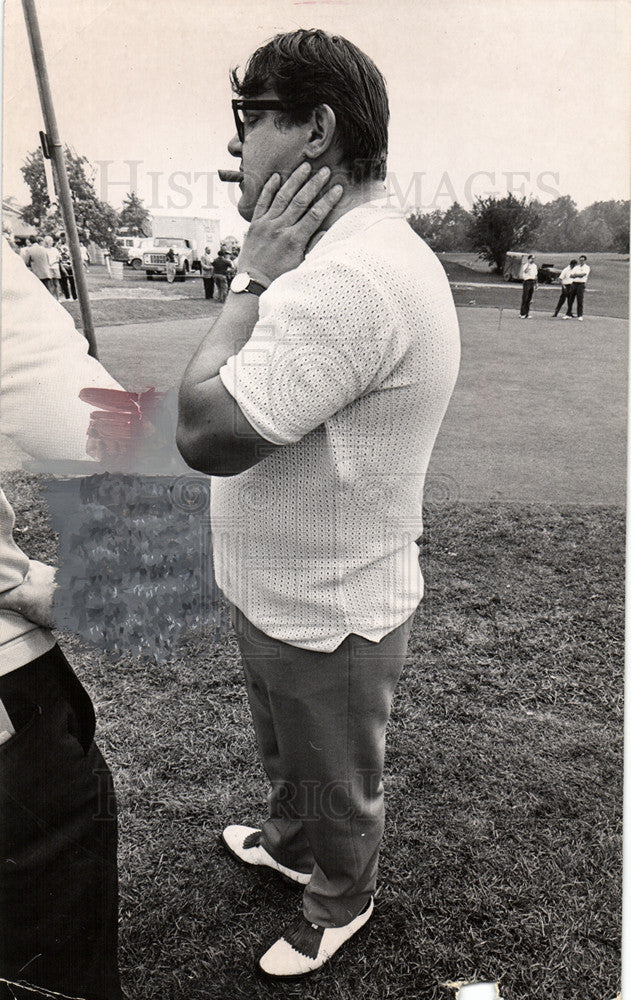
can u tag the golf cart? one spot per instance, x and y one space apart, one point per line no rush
548 273
514 266
514 269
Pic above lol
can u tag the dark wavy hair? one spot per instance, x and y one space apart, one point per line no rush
309 68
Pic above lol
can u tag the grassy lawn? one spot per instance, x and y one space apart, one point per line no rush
502 854
133 299
114 312
503 778
539 411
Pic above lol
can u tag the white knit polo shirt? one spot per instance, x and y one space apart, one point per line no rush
350 367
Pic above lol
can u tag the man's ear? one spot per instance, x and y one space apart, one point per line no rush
322 133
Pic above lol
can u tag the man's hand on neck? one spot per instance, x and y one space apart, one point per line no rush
353 197
213 436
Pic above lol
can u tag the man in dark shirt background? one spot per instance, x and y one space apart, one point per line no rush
221 269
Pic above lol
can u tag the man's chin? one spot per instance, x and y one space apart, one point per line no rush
246 212
245 207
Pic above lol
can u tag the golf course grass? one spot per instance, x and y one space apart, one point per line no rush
501 859
502 854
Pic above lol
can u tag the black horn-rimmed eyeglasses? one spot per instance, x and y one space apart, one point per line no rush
242 104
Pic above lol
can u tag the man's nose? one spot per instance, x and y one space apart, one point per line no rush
235 146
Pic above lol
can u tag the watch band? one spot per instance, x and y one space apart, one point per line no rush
251 286
255 288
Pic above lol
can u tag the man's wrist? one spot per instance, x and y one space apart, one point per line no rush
255 274
246 282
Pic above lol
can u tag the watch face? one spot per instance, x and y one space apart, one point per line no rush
240 282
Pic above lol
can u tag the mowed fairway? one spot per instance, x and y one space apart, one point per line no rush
539 410
501 859
538 414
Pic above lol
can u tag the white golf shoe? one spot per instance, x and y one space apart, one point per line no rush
305 947
244 843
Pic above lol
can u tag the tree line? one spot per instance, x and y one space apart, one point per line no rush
496 225
492 227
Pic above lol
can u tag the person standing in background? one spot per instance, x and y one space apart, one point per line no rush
170 265
566 287
221 269
54 260
579 276
36 257
529 284
66 274
206 262
85 256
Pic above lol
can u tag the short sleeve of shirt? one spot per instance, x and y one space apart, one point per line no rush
323 338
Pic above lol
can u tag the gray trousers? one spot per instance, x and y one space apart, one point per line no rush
320 721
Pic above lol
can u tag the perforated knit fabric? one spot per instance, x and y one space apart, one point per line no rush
350 367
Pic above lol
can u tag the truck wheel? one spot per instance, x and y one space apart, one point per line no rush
508 277
136 263
149 277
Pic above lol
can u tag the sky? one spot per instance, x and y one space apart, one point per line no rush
486 95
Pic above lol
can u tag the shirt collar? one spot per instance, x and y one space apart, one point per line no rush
355 221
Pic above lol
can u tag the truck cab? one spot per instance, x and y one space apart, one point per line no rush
154 256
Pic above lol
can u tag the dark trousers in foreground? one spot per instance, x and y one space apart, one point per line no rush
209 284
320 722
577 292
526 296
563 297
58 832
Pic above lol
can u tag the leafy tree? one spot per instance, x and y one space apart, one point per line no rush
134 217
558 224
427 225
454 229
443 230
96 220
604 225
621 240
501 224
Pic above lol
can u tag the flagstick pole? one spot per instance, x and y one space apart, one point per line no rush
57 157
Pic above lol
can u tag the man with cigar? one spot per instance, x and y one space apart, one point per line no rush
315 402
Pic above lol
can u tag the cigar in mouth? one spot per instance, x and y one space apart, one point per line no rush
230 176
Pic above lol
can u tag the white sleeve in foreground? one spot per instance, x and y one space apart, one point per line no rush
44 364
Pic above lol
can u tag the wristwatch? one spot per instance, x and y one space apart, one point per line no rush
242 282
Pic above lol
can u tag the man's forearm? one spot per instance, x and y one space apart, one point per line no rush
226 337
213 436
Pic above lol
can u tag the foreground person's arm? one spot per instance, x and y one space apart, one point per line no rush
26 585
44 364
213 434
